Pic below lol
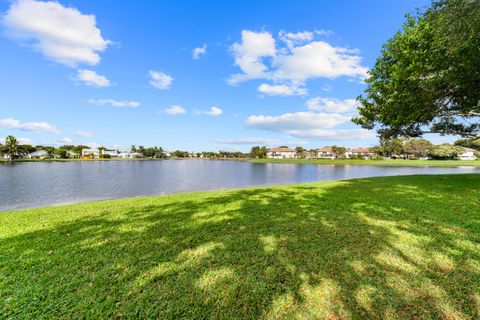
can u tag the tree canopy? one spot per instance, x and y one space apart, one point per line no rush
258 152
11 147
427 78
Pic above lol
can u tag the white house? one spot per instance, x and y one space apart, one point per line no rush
361 152
72 154
325 153
281 153
130 155
40 154
96 153
468 154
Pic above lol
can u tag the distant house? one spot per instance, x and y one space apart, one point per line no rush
325 153
95 153
281 153
72 154
130 155
468 154
361 152
40 154
309 154
136 155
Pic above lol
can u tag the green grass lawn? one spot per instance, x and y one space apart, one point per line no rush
378 248
395 162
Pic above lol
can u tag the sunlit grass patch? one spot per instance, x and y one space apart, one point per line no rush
378 248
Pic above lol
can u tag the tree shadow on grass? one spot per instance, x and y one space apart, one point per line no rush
403 247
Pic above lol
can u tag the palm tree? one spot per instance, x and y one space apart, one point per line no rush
133 148
300 152
11 147
100 151
339 152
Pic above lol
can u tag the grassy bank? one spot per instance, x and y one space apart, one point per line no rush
399 162
379 248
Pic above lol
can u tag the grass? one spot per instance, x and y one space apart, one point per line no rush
394 162
379 248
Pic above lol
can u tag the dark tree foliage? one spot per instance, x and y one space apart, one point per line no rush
427 79
468 143
258 152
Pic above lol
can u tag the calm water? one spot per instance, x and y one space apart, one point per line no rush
27 185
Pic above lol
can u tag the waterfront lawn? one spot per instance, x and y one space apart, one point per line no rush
390 162
378 248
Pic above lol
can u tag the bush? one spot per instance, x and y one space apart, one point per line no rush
105 156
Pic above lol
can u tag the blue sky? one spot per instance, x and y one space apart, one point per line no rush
196 75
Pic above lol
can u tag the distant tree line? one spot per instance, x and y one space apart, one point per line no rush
388 147
421 148
148 152
13 149
210 154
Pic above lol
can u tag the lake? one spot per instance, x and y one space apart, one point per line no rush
37 184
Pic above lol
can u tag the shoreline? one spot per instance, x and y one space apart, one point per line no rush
360 162
100 201
384 163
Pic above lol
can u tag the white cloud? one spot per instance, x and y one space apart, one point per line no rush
282 90
318 59
160 80
309 125
323 32
331 104
300 59
249 53
20 140
174 110
296 121
84 134
94 145
292 39
214 112
25 141
115 103
197 52
92 79
62 34
65 140
9 123
322 134
247 141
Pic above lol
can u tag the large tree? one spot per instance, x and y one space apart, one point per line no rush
300 151
339 152
258 152
417 147
468 143
427 78
390 147
445 151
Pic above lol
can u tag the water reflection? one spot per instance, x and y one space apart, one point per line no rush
25 185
